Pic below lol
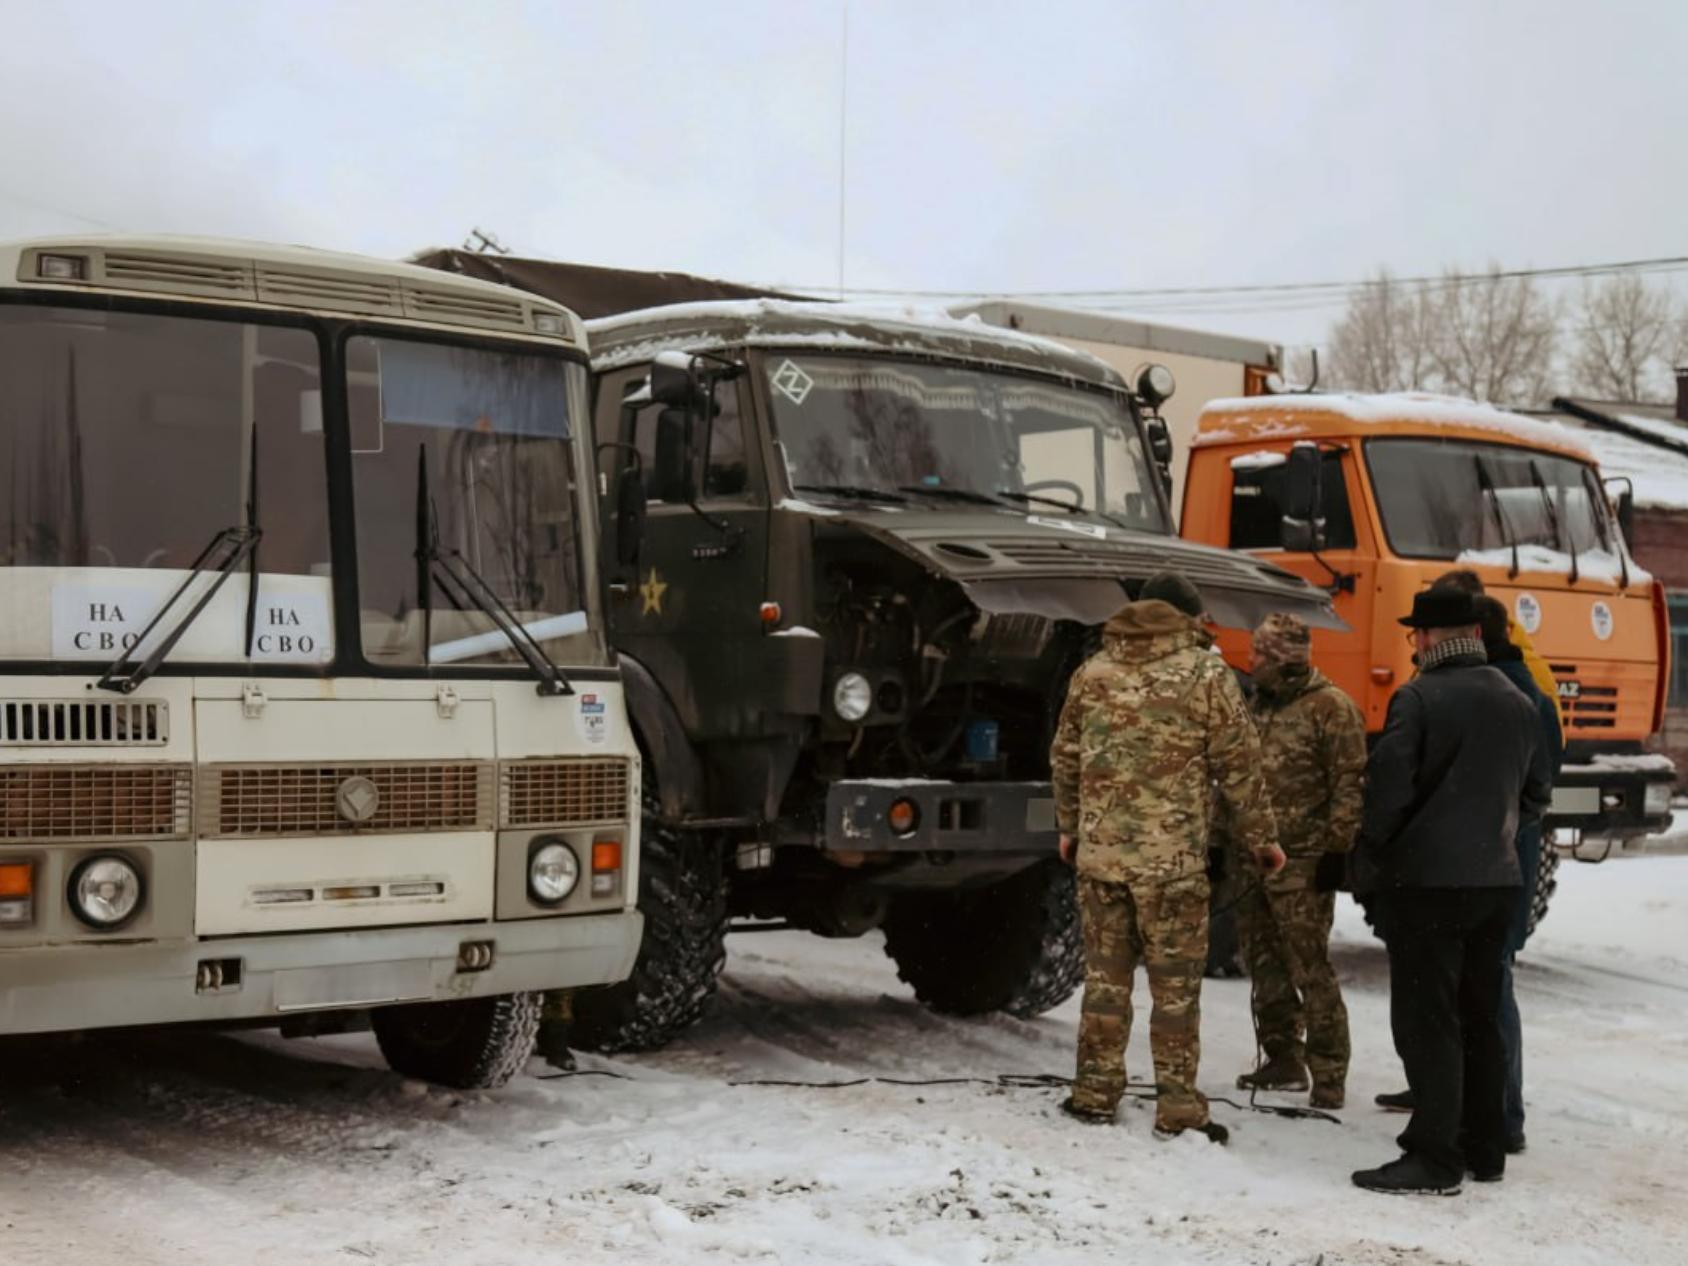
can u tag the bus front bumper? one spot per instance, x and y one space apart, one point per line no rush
59 988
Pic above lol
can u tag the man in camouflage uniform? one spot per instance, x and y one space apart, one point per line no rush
1313 752
1152 724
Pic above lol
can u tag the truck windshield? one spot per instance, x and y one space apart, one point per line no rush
126 443
1443 500
901 427
464 452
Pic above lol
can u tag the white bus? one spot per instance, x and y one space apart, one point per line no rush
305 703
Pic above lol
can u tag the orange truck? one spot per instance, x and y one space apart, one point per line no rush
1376 496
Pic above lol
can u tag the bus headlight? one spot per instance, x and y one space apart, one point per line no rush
105 891
852 697
553 872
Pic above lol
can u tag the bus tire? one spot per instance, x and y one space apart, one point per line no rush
472 1044
1015 946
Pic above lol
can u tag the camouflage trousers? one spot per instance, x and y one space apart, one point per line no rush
1164 927
1285 926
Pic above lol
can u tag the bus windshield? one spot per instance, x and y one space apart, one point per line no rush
127 442
905 429
1442 499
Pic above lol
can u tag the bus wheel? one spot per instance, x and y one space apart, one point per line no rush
1015 946
474 1044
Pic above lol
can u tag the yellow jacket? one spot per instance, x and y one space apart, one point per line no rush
1539 671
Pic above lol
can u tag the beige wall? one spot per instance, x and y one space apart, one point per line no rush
1199 378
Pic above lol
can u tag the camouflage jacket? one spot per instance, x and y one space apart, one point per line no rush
1153 725
1313 752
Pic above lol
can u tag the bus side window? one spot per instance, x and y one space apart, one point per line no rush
1257 510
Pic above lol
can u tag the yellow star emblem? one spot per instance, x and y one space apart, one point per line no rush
651 591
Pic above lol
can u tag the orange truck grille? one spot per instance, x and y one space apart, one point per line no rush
1605 700
98 802
564 792
246 801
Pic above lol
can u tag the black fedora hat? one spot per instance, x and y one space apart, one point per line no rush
1441 608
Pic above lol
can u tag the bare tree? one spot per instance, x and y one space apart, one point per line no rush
1494 338
1384 341
1628 336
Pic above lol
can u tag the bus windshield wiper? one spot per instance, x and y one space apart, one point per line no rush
1485 484
230 547
859 491
233 545
1569 537
466 586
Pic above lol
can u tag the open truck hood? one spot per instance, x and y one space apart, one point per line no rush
1073 569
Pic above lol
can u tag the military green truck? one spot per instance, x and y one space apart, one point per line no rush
854 559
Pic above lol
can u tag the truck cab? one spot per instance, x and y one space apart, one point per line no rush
1374 497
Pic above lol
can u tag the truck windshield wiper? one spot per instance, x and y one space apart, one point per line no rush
464 585
1071 507
951 494
1485 484
1568 537
230 546
859 491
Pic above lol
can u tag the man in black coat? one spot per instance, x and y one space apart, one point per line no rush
1459 764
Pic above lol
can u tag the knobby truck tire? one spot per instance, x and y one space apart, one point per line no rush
1546 883
683 896
1015 946
477 1043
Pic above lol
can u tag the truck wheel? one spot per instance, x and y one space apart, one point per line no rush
1015 946
478 1043
683 896
1546 884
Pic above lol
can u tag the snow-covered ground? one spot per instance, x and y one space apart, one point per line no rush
188 1148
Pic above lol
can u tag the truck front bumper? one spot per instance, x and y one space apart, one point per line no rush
58 988
1611 802
949 817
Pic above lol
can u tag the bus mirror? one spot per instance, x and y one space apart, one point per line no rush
629 515
1301 484
672 380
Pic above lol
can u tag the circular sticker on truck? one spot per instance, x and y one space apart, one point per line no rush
1528 610
1600 615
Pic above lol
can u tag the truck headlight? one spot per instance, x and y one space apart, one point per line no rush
553 872
105 891
1656 799
852 697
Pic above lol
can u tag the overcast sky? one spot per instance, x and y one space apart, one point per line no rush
1001 147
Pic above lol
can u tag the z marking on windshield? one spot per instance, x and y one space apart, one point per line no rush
1067 525
791 382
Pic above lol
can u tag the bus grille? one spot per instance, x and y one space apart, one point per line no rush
98 802
83 723
564 792
245 801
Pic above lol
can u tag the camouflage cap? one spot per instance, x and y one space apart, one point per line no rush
1282 638
1175 588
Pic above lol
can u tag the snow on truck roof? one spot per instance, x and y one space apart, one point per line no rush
632 337
1318 414
261 273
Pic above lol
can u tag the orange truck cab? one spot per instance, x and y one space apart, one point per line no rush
1374 497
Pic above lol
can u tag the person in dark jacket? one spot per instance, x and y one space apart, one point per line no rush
1504 654
1459 764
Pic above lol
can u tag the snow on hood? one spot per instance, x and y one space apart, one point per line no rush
1591 564
1423 407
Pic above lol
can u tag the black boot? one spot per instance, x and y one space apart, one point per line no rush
1211 1130
1088 1115
1408 1175
1399 1101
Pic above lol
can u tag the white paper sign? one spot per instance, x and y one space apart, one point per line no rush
93 620
1093 530
1528 609
1600 616
594 718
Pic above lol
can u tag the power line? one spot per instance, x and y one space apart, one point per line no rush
1308 291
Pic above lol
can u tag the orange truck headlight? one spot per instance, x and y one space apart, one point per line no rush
606 867
17 894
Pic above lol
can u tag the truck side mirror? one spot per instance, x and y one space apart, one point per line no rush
672 379
1303 530
1160 449
669 473
1626 515
1303 536
629 514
